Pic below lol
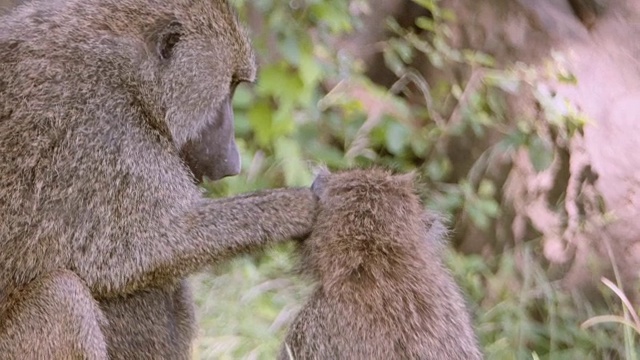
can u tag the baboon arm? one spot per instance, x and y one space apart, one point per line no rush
212 231
233 225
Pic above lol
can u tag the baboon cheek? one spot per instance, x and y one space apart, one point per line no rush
214 154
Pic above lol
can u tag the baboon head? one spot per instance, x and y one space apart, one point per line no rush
373 205
366 191
194 56
177 62
202 54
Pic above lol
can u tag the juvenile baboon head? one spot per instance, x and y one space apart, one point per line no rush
360 212
367 194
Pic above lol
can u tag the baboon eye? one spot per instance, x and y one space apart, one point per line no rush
169 39
169 43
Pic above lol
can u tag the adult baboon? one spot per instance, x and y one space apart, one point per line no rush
110 110
382 290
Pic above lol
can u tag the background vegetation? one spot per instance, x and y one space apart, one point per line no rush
315 104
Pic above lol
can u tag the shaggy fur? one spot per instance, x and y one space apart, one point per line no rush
383 292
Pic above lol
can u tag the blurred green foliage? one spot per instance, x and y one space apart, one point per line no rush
313 105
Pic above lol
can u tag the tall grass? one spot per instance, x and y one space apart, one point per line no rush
244 307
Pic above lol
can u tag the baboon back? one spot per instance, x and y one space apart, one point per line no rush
382 289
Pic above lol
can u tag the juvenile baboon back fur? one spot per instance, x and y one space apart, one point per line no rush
382 289
110 110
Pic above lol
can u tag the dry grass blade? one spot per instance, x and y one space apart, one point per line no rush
608 319
289 352
624 300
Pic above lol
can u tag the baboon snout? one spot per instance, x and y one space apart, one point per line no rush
214 153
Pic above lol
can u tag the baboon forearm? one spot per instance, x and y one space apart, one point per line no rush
234 225
214 230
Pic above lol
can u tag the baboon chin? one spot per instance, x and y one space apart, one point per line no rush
382 290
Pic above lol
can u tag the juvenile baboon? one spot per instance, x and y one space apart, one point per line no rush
382 289
111 111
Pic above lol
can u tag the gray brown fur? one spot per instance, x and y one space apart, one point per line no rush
102 220
62 318
382 289
6 5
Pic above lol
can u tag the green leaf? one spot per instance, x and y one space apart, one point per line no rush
479 218
283 123
567 77
280 81
436 60
290 49
310 70
503 80
393 61
447 202
486 189
403 49
426 23
488 207
431 5
495 101
513 140
242 124
397 137
481 58
448 15
540 154
296 172
243 97
438 170
261 117
420 145
334 15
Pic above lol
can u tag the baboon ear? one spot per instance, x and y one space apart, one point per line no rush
166 39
